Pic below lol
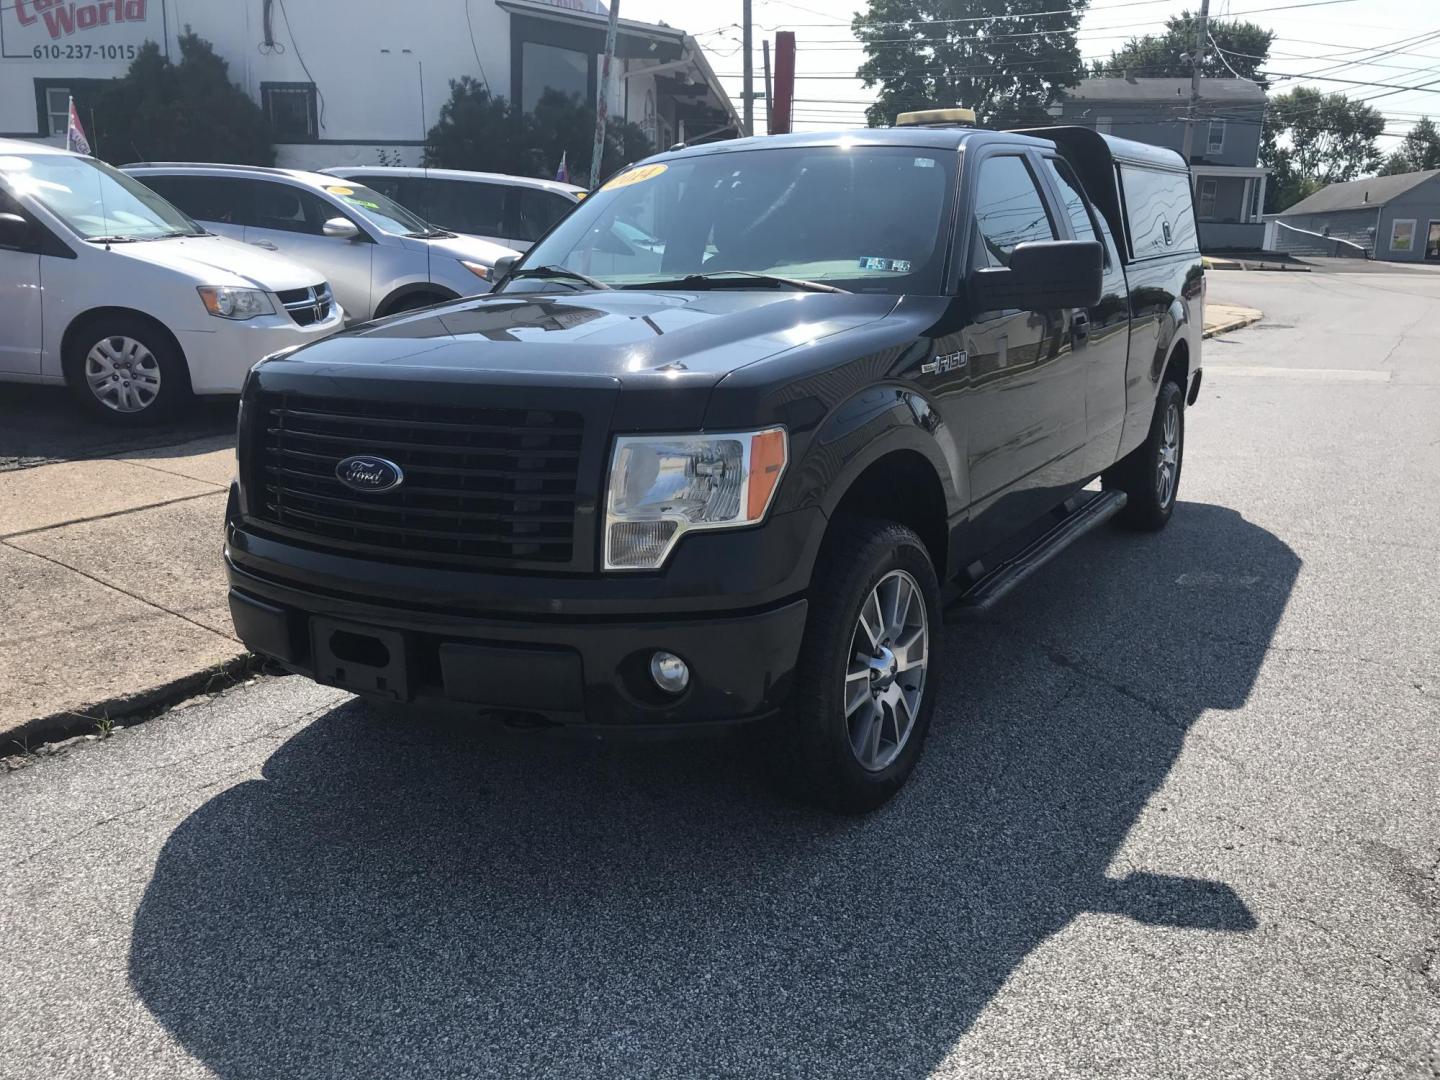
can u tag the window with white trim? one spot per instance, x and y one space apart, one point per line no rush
57 108
1215 141
1208 187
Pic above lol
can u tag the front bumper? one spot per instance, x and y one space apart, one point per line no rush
220 357
575 671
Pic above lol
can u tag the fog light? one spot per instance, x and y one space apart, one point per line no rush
670 673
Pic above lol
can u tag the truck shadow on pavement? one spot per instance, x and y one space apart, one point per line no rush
42 424
405 900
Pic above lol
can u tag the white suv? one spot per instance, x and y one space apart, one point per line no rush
379 257
108 288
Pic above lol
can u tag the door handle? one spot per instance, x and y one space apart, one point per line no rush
266 244
1080 328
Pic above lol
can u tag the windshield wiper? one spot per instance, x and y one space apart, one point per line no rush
557 273
434 234
117 239
720 279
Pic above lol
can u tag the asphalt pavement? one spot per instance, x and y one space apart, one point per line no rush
1179 817
43 424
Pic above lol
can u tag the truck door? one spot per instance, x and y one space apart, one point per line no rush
1100 335
1025 418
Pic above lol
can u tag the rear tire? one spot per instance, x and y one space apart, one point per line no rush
1150 474
125 370
865 690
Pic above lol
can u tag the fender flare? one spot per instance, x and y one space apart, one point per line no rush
1173 327
870 425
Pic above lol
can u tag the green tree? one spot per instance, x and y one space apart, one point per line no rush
1313 139
477 130
1420 150
933 53
1238 49
186 111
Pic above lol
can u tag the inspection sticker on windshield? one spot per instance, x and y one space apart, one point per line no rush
340 190
894 266
636 176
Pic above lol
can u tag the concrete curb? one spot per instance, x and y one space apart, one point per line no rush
1233 324
131 708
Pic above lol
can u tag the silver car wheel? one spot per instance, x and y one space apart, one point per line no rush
885 681
1168 465
123 374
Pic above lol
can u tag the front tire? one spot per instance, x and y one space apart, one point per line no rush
1150 474
126 371
865 689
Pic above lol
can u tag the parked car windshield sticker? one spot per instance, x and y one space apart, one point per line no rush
636 176
894 266
340 190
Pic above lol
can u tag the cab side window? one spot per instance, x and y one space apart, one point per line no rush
1082 223
1009 210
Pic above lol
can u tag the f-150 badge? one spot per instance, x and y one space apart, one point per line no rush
942 365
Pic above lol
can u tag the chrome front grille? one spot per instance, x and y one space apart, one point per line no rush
310 305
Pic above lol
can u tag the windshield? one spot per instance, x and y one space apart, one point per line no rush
863 218
93 199
380 209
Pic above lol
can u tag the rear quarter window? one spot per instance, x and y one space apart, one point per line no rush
1159 212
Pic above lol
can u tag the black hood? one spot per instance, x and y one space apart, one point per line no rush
694 337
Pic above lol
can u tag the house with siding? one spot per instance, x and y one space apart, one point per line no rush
1226 175
1393 218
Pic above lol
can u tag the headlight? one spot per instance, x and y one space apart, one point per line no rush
480 270
663 486
225 302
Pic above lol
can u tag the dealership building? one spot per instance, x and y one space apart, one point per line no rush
343 85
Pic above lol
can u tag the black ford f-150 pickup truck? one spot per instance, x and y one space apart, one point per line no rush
728 440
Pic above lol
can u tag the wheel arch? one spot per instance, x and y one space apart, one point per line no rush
76 327
901 485
414 288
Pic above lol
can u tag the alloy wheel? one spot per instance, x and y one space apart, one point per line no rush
885 680
1168 464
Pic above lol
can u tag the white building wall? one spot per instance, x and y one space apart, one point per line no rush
366 59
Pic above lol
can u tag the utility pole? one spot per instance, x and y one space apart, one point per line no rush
1196 58
602 97
765 48
747 71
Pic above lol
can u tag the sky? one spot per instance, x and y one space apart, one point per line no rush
1335 37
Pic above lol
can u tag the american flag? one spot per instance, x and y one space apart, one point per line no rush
75 139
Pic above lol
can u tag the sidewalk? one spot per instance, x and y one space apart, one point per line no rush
112 583
1222 318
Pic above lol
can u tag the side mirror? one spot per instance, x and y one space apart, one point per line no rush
14 231
502 268
1042 274
340 227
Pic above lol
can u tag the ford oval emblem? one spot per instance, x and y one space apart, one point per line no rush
370 474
